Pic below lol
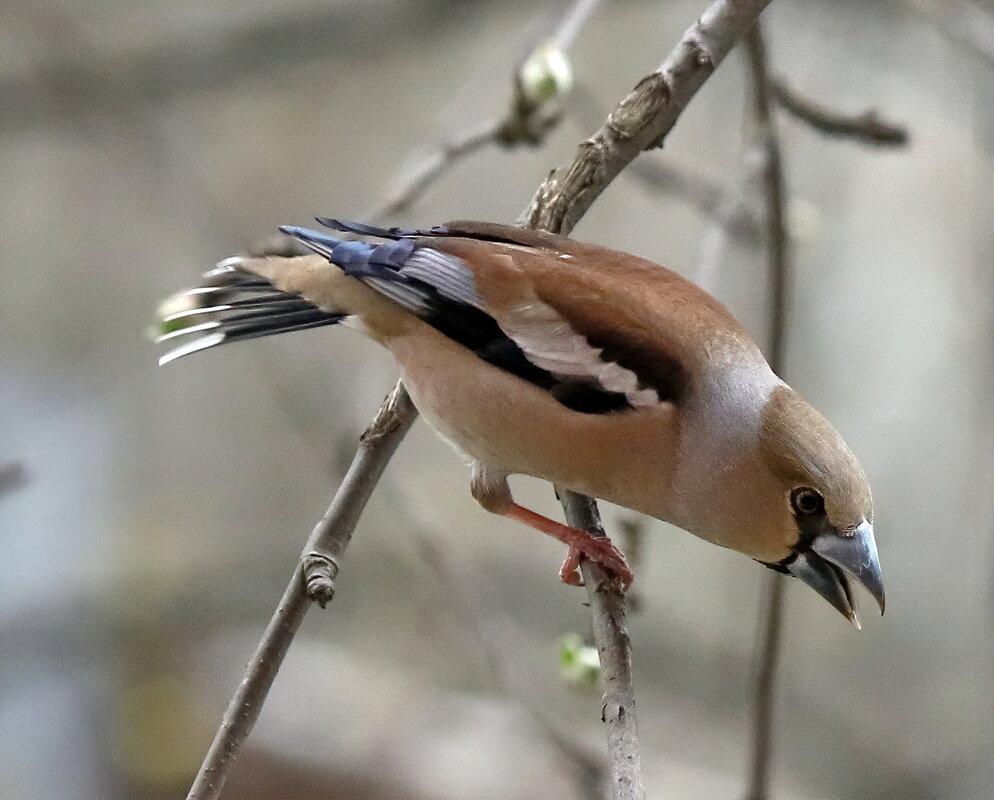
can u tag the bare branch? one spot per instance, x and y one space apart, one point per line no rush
777 241
607 608
868 126
658 175
643 119
313 580
778 258
412 185
770 638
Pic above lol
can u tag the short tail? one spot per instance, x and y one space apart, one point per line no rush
233 304
248 298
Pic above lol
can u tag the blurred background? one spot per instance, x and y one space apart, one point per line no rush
150 518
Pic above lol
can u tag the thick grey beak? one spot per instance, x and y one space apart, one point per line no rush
833 558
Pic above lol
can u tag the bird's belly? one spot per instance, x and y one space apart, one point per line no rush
511 425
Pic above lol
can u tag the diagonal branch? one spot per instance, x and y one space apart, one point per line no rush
643 119
412 185
313 580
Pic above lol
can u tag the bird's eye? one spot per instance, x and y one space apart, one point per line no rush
807 501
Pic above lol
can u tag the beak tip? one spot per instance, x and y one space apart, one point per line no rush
856 555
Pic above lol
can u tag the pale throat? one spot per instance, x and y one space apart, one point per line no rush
720 471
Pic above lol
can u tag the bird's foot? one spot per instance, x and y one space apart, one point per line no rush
600 550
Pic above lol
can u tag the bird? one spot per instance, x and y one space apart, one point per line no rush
599 371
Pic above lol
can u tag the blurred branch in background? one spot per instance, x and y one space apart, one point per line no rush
13 475
541 79
412 183
963 21
868 126
499 638
778 261
731 205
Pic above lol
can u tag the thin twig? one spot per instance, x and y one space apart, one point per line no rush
313 579
525 122
733 204
770 639
413 184
868 126
700 192
777 242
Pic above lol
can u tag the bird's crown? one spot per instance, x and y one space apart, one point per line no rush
802 448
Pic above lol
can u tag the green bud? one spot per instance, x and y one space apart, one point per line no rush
545 75
579 664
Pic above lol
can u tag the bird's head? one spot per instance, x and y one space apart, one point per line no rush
826 507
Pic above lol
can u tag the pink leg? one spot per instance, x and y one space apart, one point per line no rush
598 549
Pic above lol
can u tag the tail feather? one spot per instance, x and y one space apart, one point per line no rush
234 305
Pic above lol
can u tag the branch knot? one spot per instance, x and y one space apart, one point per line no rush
319 573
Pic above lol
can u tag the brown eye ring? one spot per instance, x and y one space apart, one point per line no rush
807 501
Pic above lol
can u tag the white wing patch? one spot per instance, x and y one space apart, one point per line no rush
550 343
447 273
547 340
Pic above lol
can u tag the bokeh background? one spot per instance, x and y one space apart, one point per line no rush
161 511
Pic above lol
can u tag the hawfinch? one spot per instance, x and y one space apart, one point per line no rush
593 369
